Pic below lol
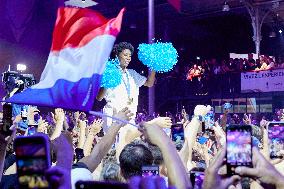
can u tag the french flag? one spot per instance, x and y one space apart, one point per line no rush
81 45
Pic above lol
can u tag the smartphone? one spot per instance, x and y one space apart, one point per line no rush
7 120
36 117
177 135
196 178
276 139
32 160
150 170
79 152
184 114
239 147
100 185
24 113
209 119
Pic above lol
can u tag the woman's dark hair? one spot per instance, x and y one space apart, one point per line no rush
118 48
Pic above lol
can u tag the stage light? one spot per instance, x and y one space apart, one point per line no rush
197 58
226 7
280 31
21 67
80 3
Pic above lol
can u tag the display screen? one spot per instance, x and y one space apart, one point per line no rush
209 120
151 170
239 147
32 162
276 139
177 132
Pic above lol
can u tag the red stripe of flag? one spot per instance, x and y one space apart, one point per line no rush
75 27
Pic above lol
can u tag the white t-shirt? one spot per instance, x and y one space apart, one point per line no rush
118 97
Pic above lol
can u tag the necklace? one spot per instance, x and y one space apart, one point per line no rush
127 86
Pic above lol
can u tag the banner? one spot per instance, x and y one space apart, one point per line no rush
262 81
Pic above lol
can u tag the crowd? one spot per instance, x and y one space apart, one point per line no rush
211 67
150 152
202 76
82 151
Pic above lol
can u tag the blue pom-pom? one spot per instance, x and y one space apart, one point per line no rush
112 75
160 57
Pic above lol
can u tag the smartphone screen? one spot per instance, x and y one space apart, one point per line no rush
36 117
79 152
100 185
239 147
7 119
177 135
150 170
276 139
197 178
24 113
32 159
209 120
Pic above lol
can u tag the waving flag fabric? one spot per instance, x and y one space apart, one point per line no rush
82 42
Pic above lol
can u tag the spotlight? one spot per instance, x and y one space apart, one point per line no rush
197 58
280 31
80 3
226 7
21 67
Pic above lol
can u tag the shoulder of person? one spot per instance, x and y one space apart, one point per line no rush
132 72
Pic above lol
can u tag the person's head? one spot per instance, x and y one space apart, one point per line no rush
123 51
110 172
132 158
157 154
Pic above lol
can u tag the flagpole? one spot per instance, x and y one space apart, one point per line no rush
151 36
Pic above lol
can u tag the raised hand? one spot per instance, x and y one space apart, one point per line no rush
262 171
201 110
31 112
42 126
247 119
163 122
212 177
124 114
96 126
82 124
59 115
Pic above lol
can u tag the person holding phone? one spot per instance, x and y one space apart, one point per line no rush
215 180
5 139
127 92
262 171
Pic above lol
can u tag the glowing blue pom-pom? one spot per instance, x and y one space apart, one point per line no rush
160 57
112 75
